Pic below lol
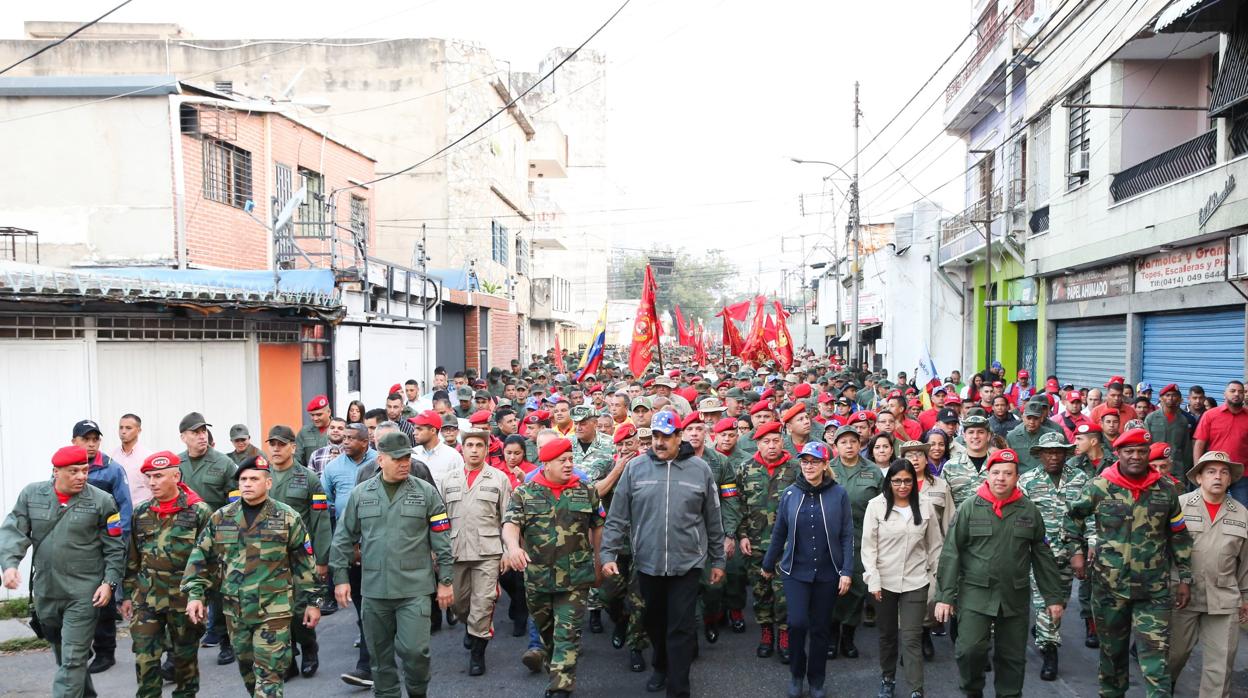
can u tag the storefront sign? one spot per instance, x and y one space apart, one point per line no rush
1086 285
1023 290
1185 266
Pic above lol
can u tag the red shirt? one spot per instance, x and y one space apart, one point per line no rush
472 475
927 419
1212 509
912 428
1126 413
1222 430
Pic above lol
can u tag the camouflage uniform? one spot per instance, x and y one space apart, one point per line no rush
299 488
159 549
1022 440
760 495
962 476
307 441
725 475
1175 432
1085 464
862 482
595 461
211 477
734 594
556 534
262 573
1052 500
620 595
1132 549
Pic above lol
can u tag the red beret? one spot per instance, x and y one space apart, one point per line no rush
479 417
826 397
159 461
1173 387
595 388
1005 455
1089 428
894 393
69 455
693 418
1133 437
428 418
1160 450
624 431
802 390
554 449
911 390
724 425
861 416
648 384
1115 379
761 406
689 393
674 373
768 428
542 415
767 395
792 412
396 388
318 402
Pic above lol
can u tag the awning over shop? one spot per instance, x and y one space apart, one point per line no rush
1197 16
862 329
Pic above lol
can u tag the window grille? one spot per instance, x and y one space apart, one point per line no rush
227 173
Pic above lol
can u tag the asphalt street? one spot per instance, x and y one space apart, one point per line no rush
727 667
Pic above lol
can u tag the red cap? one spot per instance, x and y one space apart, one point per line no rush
674 373
953 399
479 417
998 384
159 461
69 455
318 402
803 390
792 412
861 416
826 397
1160 450
428 418
396 388
1133 437
542 415
1173 387
915 402
1005 455
768 428
648 384
761 406
1052 386
693 418
724 425
1074 395
1024 373
554 449
1115 379
689 393
1089 428
624 431
894 393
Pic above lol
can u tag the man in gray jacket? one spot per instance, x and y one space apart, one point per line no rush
667 504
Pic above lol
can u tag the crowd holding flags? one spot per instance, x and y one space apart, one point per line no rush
592 358
646 328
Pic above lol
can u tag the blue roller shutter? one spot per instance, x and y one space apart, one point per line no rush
1205 349
1090 351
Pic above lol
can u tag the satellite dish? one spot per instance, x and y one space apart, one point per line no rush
287 213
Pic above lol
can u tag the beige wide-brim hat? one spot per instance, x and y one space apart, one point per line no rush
1237 469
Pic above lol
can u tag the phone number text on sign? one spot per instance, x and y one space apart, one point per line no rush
1186 266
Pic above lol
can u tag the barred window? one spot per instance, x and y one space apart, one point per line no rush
1077 139
499 243
313 208
522 255
359 217
227 173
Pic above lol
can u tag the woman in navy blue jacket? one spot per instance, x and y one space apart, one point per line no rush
813 545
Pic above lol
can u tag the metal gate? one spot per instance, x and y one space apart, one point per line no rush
1088 352
450 339
1027 350
1205 349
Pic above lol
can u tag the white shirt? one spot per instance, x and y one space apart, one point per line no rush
441 460
131 463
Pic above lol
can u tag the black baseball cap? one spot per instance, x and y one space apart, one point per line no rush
85 427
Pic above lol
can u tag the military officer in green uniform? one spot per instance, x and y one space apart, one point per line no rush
1140 532
621 593
401 527
966 468
763 481
210 474
315 435
1034 426
296 486
862 481
552 532
594 454
256 554
1168 424
726 437
761 412
163 532
996 541
694 429
1052 487
77 563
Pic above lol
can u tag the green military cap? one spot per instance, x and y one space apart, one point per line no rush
735 394
449 420
582 412
1036 408
394 444
642 401
463 393
504 402
743 375
192 421
282 433
1050 440
847 429
482 395
609 364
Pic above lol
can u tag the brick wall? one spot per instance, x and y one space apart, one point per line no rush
472 338
503 343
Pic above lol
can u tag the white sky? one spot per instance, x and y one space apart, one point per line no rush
708 98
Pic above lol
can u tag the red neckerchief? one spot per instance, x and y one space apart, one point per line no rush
723 452
1135 487
556 490
986 494
62 498
771 467
171 507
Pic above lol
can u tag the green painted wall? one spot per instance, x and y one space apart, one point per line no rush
1005 339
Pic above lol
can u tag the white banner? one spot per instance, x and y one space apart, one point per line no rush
1185 266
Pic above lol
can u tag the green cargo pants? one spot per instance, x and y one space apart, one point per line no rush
975 632
70 627
402 626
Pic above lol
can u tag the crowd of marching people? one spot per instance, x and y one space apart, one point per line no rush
659 505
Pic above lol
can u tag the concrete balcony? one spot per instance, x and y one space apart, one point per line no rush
548 153
962 236
981 81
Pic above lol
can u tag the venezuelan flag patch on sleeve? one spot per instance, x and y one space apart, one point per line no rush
728 489
307 544
319 503
439 523
235 495
602 512
114 525
1178 523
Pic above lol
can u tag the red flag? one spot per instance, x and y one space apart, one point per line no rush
784 341
559 355
732 338
770 332
737 311
699 345
646 328
756 350
684 332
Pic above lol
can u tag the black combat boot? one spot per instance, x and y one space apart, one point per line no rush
476 659
1048 670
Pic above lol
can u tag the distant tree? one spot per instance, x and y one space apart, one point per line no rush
698 283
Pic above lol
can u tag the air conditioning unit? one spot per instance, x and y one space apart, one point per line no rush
1028 27
1079 162
1237 257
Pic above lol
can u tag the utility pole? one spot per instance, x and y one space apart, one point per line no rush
855 232
987 223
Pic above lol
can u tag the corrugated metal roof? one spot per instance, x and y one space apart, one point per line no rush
88 85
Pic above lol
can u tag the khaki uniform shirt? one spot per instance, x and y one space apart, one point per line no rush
476 512
897 554
1219 554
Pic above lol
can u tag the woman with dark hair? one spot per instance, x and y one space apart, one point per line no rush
515 465
971 392
355 412
901 543
881 451
937 451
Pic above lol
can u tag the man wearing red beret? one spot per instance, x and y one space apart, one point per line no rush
1139 521
1168 425
797 429
313 436
78 561
761 412
726 436
763 480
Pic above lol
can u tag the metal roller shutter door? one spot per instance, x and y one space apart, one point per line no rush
1205 349
1090 351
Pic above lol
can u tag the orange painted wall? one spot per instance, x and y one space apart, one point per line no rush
280 382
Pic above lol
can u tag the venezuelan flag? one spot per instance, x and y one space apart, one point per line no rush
592 358
1178 523
602 512
235 495
114 525
307 544
728 489
439 523
319 503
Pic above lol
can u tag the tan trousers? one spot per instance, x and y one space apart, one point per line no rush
1219 640
476 590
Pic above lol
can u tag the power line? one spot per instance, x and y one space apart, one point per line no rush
67 37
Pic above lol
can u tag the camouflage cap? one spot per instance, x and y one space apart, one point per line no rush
463 393
642 401
975 418
1050 441
581 412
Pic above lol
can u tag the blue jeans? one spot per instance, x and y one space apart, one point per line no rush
810 612
535 638
1239 491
